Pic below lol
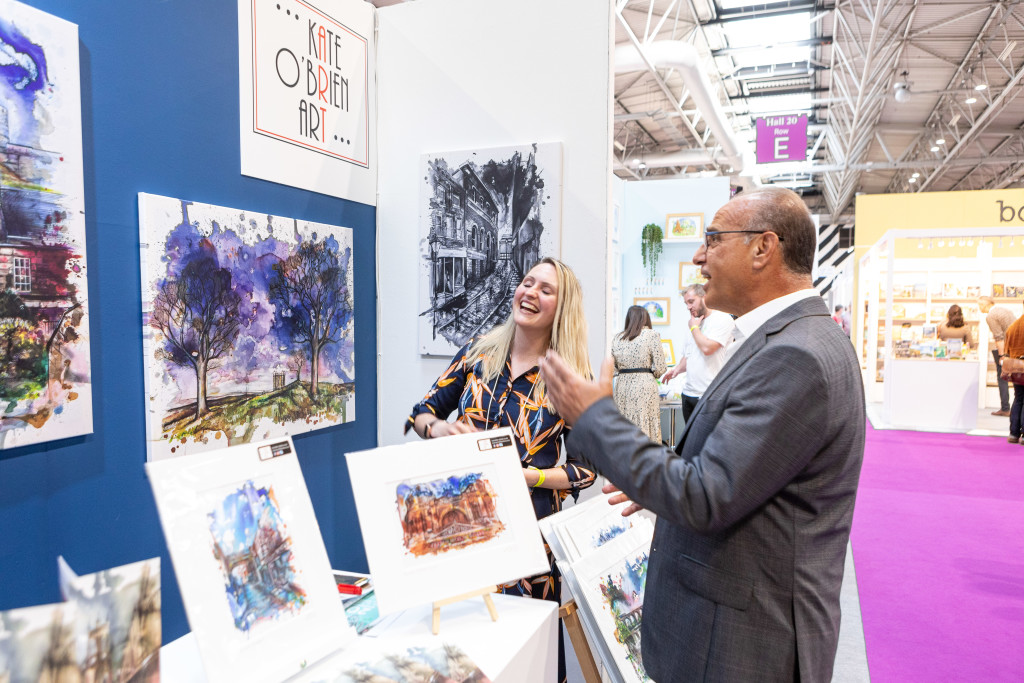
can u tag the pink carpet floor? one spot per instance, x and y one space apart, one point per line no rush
938 545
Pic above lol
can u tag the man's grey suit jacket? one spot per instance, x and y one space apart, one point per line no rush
754 512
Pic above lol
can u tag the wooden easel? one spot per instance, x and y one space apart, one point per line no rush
435 625
569 613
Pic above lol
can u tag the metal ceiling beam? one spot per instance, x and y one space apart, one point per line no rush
810 42
770 9
662 85
860 82
921 145
1007 95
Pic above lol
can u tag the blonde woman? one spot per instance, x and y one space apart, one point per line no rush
639 360
494 382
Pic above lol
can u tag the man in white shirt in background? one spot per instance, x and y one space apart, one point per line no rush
999 320
703 349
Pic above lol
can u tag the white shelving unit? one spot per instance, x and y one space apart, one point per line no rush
894 291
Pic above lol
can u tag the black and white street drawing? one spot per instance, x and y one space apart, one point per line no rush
486 216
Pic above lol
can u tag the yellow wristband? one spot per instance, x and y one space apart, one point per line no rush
540 480
694 327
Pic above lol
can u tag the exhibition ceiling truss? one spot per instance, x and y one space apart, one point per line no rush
901 95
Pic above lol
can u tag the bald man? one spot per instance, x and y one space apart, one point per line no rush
755 505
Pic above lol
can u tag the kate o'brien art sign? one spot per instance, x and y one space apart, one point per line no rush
306 79
782 138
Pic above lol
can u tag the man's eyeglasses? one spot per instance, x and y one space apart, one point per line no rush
713 237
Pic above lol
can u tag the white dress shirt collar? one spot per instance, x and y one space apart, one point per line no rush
748 323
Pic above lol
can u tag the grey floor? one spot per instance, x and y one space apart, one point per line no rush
851 658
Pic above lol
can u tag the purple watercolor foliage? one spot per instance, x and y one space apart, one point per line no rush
265 341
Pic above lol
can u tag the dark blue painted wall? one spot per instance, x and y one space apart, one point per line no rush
160 115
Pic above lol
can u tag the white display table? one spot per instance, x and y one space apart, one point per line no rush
522 645
931 395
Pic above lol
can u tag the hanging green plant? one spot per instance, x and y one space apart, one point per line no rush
650 247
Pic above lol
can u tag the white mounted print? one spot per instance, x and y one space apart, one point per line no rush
486 217
444 517
250 561
306 95
247 325
45 370
613 580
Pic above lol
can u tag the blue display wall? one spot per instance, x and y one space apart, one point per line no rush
160 115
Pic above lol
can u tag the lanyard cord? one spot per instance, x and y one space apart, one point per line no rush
504 399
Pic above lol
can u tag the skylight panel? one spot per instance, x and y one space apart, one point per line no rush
761 56
779 104
768 30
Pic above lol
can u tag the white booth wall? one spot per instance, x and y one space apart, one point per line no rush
476 74
650 201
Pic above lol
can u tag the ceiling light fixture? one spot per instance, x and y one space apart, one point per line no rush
935 148
920 244
1007 50
940 141
981 86
970 241
916 175
942 243
914 180
971 100
963 242
901 92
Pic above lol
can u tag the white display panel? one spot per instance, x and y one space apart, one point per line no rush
443 517
431 48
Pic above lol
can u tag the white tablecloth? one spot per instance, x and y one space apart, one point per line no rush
522 645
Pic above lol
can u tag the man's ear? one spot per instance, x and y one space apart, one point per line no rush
766 249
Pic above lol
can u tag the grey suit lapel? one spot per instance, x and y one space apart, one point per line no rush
756 341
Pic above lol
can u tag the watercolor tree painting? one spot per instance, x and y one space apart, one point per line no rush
235 306
45 370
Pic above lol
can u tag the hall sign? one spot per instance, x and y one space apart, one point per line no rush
781 138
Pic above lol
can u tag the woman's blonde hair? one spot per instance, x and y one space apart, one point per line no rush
568 331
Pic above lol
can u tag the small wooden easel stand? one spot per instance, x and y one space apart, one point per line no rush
569 614
435 625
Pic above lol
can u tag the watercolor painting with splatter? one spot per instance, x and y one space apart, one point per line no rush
247 325
45 368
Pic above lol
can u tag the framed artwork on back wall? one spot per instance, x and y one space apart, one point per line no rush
684 227
689 274
657 307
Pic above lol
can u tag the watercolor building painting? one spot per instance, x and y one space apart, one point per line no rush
45 369
118 615
443 662
622 592
248 325
447 514
251 544
486 216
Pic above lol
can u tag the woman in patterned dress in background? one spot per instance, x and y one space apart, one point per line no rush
639 360
493 381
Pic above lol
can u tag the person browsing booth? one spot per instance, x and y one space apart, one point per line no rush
754 507
704 350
